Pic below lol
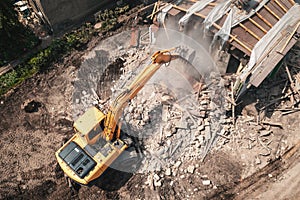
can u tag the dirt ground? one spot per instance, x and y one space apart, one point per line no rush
240 166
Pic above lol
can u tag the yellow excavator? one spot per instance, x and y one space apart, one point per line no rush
97 141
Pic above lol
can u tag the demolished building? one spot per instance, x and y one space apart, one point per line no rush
257 34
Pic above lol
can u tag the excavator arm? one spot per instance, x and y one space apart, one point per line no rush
118 105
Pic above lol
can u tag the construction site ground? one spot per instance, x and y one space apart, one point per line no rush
253 161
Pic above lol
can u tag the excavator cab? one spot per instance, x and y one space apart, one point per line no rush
87 154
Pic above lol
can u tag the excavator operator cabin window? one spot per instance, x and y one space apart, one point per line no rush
94 134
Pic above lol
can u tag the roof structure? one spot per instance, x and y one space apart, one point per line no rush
263 31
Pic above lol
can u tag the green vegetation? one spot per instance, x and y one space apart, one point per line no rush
43 60
109 18
15 39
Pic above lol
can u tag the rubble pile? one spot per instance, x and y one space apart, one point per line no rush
175 134
262 118
175 128
89 88
174 122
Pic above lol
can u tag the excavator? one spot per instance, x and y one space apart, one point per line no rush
98 139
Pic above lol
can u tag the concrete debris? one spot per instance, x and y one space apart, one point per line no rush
166 99
206 182
150 181
157 183
270 175
191 169
206 122
156 177
177 164
168 172
207 132
84 92
171 183
257 160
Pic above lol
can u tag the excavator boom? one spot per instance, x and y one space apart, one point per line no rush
118 105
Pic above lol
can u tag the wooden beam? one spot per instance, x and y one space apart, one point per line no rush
249 31
264 20
280 5
292 2
154 10
257 25
270 11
